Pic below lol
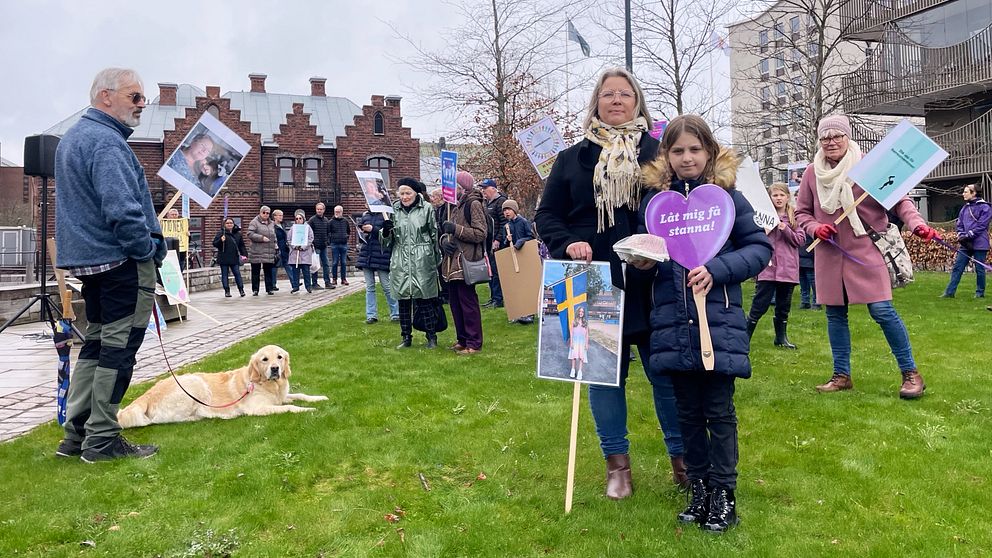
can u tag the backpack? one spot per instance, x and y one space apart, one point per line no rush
490 225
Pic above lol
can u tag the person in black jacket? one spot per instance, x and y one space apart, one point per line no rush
373 259
230 253
591 201
494 205
319 225
338 232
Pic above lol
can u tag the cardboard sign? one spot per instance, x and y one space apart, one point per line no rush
178 229
658 129
521 284
204 160
449 173
897 164
749 183
694 228
581 324
299 235
542 142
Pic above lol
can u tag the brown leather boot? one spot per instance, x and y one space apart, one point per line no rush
912 385
838 382
678 472
618 482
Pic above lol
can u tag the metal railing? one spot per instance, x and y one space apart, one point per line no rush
969 149
902 73
862 16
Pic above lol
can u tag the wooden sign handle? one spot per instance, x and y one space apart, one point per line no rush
513 251
570 480
168 206
705 341
842 216
65 295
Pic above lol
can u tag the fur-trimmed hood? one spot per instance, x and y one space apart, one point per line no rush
657 174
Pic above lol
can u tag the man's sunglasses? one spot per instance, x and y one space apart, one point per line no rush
135 97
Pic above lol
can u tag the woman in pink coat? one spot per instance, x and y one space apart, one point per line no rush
824 193
780 277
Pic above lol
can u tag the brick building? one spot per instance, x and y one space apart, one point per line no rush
16 195
304 148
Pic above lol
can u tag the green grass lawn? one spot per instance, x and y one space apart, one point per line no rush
859 473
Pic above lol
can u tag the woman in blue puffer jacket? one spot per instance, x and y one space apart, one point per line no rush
973 238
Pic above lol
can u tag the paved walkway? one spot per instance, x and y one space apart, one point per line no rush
29 363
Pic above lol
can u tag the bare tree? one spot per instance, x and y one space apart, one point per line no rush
673 52
497 73
797 54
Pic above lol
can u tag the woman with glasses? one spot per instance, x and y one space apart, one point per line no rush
263 251
301 252
848 266
590 202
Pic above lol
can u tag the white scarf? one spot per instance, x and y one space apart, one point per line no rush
834 188
617 176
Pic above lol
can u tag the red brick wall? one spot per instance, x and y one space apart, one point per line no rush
359 143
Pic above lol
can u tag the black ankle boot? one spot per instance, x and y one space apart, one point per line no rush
781 339
431 342
407 341
722 511
751 324
696 511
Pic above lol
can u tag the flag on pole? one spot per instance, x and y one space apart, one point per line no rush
573 35
570 294
719 43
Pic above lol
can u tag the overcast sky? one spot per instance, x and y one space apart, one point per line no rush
51 49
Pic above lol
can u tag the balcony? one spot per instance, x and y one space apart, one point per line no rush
302 195
969 150
903 77
866 19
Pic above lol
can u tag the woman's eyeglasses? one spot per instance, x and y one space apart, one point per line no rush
832 139
624 94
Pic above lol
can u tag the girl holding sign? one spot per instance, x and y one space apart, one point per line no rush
780 277
689 157
850 269
578 349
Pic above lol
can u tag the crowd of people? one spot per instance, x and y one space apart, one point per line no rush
426 253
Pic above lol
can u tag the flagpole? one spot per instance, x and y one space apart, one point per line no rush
568 105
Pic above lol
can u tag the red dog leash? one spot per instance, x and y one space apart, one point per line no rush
158 331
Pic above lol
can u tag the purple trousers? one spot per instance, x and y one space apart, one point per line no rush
465 310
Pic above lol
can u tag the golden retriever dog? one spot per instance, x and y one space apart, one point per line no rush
266 379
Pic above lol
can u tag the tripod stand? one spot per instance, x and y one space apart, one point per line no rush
49 310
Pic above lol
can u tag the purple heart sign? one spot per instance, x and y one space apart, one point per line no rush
694 228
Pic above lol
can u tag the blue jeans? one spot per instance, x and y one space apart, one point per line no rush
960 263
225 270
297 271
609 408
324 265
807 286
892 326
339 257
371 304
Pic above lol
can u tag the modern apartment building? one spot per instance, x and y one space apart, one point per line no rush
930 59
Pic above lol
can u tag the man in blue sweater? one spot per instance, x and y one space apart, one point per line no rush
108 236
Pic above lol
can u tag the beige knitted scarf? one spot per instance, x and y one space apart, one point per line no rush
834 188
617 176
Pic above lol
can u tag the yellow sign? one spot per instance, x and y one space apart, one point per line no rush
178 229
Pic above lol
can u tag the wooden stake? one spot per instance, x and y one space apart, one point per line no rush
169 205
65 295
843 216
705 341
573 435
513 251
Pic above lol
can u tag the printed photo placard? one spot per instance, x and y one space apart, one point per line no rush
581 325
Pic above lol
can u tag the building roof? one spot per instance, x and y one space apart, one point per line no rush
264 111
6 163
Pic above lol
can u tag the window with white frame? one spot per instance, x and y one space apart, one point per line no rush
285 165
312 168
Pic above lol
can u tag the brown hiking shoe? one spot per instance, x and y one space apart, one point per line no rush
912 385
838 382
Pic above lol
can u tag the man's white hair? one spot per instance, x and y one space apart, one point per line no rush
112 78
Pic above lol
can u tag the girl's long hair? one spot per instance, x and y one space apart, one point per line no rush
789 209
695 125
580 320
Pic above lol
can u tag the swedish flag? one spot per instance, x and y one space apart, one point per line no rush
570 294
